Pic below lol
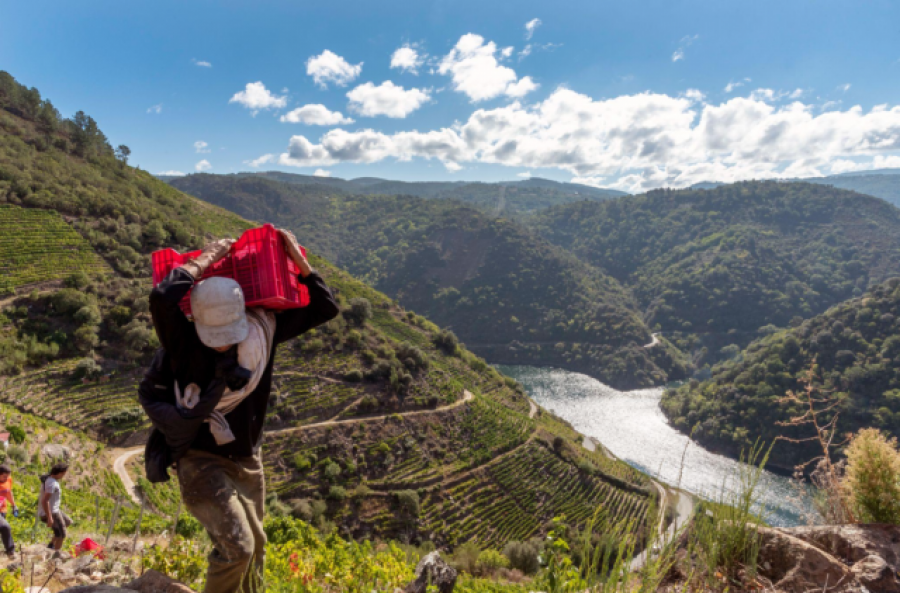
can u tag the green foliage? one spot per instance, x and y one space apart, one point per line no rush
735 258
855 353
489 561
359 312
872 481
17 434
408 501
523 556
18 454
182 559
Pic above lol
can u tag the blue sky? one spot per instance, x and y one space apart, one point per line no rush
621 94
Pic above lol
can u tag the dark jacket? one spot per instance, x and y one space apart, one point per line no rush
183 357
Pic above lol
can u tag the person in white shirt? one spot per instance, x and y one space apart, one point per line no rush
49 505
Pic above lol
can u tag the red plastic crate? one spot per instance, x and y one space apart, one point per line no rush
259 263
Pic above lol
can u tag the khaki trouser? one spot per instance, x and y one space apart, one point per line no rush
228 496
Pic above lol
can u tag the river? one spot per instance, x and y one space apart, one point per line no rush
631 426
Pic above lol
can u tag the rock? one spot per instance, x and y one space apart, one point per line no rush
151 582
56 451
796 566
37 550
433 571
872 550
155 582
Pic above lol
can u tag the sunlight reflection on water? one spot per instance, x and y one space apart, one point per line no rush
631 425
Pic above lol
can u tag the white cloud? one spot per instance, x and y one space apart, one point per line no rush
735 84
201 146
203 165
685 42
530 27
475 71
879 162
328 67
316 115
525 174
452 166
526 51
256 96
407 59
844 87
632 142
796 94
266 158
155 108
387 99
694 95
506 52
322 173
171 173
201 63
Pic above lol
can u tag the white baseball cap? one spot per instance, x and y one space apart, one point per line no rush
218 308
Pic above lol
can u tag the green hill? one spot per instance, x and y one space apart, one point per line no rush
507 293
854 349
712 267
508 198
378 408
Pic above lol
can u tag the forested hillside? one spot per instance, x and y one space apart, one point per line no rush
381 424
507 293
507 198
714 268
854 351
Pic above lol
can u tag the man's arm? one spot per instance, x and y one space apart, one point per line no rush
322 306
45 504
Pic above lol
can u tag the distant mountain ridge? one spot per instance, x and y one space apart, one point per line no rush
505 198
880 183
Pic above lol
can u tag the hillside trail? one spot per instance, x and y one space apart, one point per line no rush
467 397
123 455
533 409
653 342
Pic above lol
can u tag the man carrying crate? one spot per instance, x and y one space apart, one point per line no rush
206 393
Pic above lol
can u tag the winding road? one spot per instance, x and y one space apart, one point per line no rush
123 455
653 342
121 471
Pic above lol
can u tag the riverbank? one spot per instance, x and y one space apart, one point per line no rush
631 426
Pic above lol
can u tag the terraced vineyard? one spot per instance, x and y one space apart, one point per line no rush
109 408
38 245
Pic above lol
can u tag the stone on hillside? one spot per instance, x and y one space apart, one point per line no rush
150 582
795 566
433 571
56 451
872 550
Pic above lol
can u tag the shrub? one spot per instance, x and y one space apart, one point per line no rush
490 561
16 434
87 367
447 341
188 527
337 493
301 509
301 462
523 556
872 482
332 471
408 500
466 557
18 454
354 376
359 312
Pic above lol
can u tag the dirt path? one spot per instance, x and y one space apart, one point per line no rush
467 397
121 471
653 342
533 410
